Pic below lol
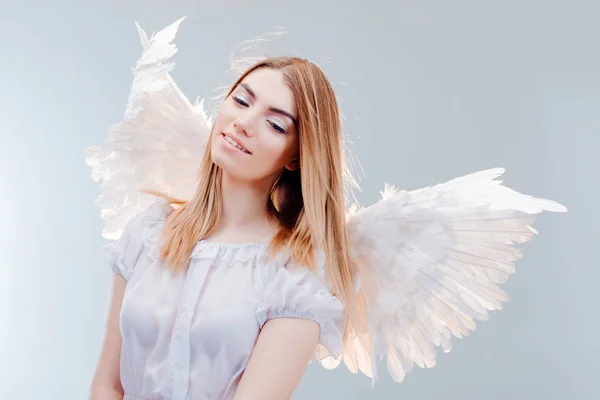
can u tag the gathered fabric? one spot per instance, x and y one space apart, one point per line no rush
190 335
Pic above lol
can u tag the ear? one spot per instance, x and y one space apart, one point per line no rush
293 165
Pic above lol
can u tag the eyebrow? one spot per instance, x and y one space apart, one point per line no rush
274 109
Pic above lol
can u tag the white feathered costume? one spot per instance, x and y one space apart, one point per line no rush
432 258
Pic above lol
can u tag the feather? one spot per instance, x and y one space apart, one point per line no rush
157 145
429 261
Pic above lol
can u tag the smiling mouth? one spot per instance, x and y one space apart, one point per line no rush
235 144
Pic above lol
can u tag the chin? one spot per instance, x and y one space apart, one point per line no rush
220 160
228 165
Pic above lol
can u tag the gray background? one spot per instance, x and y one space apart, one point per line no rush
431 90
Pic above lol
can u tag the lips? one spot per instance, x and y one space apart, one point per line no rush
235 143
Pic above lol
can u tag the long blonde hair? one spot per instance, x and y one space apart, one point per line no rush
309 203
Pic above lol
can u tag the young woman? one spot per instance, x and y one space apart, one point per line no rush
248 268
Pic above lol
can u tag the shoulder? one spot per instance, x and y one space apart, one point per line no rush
316 274
299 291
124 252
304 285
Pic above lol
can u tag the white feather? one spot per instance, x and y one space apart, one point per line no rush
157 145
429 262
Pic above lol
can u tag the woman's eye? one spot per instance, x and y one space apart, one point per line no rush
240 100
278 128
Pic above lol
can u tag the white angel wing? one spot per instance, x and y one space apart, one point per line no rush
429 262
157 145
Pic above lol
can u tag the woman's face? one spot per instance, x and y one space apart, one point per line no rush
255 132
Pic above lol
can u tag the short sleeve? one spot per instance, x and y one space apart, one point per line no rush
296 292
122 254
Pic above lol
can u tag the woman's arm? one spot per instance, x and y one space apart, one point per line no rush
279 359
106 384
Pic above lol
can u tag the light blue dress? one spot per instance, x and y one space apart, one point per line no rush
189 336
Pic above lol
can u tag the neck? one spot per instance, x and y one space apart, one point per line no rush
244 203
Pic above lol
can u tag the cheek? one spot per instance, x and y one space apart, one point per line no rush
223 115
221 120
279 150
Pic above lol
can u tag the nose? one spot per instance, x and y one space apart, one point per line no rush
244 124
239 130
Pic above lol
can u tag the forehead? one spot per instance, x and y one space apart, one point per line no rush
271 89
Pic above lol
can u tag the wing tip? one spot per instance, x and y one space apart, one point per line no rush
143 36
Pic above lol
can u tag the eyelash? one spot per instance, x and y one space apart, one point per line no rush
275 127
240 101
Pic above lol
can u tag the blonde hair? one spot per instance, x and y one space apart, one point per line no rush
309 203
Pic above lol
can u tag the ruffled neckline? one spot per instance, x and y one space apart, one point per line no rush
208 243
222 253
